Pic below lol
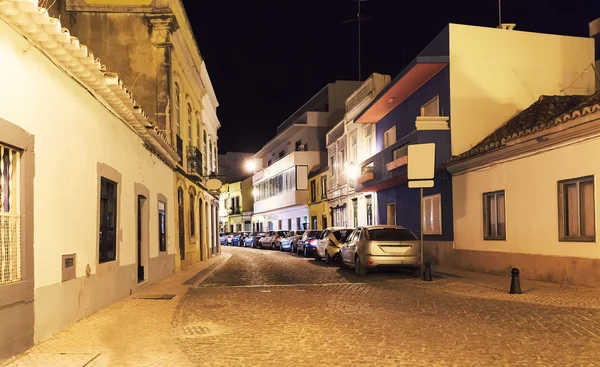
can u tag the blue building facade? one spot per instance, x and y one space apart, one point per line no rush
413 109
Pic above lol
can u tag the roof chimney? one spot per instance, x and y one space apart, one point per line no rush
507 26
595 34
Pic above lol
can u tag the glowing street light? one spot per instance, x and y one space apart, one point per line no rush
250 165
255 192
352 171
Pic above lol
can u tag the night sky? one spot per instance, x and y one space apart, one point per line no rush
266 58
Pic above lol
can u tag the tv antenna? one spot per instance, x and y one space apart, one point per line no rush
499 13
359 19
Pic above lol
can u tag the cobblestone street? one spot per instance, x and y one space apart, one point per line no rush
268 308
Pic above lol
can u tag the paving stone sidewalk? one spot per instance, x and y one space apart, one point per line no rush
131 332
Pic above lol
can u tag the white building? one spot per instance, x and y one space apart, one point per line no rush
348 145
281 182
83 173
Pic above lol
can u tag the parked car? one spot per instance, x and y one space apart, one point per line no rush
238 238
290 241
306 245
253 238
330 243
230 239
375 247
273 240
223 238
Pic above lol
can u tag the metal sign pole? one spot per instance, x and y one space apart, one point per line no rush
422 248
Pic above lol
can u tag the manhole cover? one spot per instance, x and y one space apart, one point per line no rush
195 330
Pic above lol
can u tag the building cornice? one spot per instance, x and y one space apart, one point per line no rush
186 60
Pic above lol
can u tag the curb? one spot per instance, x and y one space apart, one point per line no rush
211 270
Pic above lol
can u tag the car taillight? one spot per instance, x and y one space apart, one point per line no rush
313 242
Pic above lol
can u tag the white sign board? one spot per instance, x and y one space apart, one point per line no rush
421 161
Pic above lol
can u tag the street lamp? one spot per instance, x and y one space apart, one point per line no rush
255 193
352 171
250 165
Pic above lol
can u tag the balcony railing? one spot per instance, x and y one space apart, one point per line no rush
234 211
194 161
179 143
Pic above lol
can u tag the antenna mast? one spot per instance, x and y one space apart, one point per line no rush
499 13
359 19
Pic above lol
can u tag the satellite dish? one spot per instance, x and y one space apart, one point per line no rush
214 184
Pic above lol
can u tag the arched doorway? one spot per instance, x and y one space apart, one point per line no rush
200 231
180 219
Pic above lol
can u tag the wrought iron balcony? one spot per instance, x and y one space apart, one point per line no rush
194 161
234 211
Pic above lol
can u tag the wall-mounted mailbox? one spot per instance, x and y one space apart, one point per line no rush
68 267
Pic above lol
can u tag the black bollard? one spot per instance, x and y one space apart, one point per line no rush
515 284
427 273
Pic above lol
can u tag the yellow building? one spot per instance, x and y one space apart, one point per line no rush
236 204
319 212
153 49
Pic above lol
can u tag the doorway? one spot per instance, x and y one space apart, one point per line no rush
180 220
141 237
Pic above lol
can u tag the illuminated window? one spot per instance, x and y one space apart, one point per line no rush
162 226
189 110
368 140
108 221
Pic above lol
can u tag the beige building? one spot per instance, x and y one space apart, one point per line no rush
526 197
86 182
152 46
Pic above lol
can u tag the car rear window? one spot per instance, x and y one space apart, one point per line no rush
311 234
390 234
281 233
342 235
300 233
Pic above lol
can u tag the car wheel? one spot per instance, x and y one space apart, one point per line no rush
359 270
305 252
280 248
273 246
328 259
297 251
341 263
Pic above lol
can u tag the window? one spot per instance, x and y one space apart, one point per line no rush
298 225
313 222
332 167
281 154
210 158
353 148
324 222
198 134
391 214
576 210
279 224
282 183
432 214
369 200
305 223
390 234
204 166
389 137
177 114
494 221
289 227
323 187
10 220
162 227
313 191
270 226
368 140
108 221
342 159
355 212
192 216
298 145
215 166
189 110
431 108
400 152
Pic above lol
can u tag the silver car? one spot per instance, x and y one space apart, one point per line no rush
375 247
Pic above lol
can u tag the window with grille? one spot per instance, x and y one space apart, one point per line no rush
177 114
432 214
431 108
108 221
192 216
205 156
494 216
576 210
10 220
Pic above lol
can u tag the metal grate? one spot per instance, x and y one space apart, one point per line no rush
10 248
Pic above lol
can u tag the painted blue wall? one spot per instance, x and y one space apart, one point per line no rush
405 114
408 210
